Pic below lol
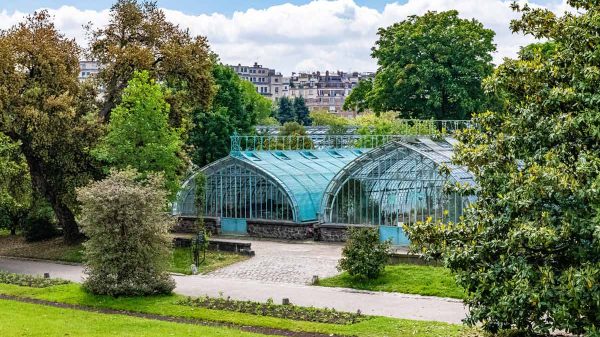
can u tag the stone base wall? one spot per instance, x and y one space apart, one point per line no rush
185 225
332 233
282 231
190 225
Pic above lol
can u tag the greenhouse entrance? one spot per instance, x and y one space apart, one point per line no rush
234 226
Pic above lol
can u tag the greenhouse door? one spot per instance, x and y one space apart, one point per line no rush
393 233
234 226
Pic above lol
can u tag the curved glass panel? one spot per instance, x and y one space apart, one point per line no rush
399 183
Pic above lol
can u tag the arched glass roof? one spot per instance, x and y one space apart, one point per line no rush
396 183
302 174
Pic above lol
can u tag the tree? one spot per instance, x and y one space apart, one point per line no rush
210 136
358 99
260 106
139 135
337 125
15 186
128 250
430 66
528 252
233 110
301 111
285 110
138 37
42 108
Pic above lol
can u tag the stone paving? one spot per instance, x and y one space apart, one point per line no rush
280 262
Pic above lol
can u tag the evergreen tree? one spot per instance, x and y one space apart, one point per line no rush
301 110
285 110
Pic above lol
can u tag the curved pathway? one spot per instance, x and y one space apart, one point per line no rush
269 276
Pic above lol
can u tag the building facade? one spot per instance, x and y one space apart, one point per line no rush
268 82
321 91
326 91
87 69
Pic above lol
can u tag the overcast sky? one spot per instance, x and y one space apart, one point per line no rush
298 35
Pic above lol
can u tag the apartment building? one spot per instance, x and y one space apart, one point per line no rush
326 91
87 69
268 82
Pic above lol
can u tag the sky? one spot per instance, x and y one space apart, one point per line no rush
290 36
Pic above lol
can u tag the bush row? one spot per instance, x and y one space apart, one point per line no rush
29 280
270 309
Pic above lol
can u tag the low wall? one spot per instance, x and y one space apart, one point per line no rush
280 230
190 225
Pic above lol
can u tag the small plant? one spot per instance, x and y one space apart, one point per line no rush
29 280
288 311
364 256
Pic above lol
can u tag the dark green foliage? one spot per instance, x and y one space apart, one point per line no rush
285 110
364 256
29 280
358 99
430 66
528 253
301 111
234 109
39 223
210 136
270 309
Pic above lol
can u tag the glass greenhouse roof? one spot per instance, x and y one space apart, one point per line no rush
304 174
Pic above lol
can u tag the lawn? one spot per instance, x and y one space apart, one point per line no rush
182 260
56 250
168 306
404 278
24 319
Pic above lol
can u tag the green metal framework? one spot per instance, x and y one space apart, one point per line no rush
399 183
383 180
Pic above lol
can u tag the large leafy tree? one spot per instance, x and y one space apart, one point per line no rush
430 66
233 109
528 252
15 185
260 106
41 108
138 37
139 134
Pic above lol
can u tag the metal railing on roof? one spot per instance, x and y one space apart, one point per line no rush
269 138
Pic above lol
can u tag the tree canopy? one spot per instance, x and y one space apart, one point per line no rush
139 37
234 109
139 134
429 66
43 109
528 252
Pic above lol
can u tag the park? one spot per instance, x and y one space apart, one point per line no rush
167 192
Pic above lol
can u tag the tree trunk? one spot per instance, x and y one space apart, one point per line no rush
65 216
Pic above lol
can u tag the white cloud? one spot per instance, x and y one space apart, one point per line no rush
334 35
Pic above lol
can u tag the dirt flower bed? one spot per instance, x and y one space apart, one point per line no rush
270 309
29 280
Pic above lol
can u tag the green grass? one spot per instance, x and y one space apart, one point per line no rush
404 278
24 319
182 260
4 232
56 250
167 305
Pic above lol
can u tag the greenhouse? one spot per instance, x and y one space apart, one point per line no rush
316 186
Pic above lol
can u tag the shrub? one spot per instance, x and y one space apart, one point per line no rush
270 309
39 224
128 251
364 256
29 280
